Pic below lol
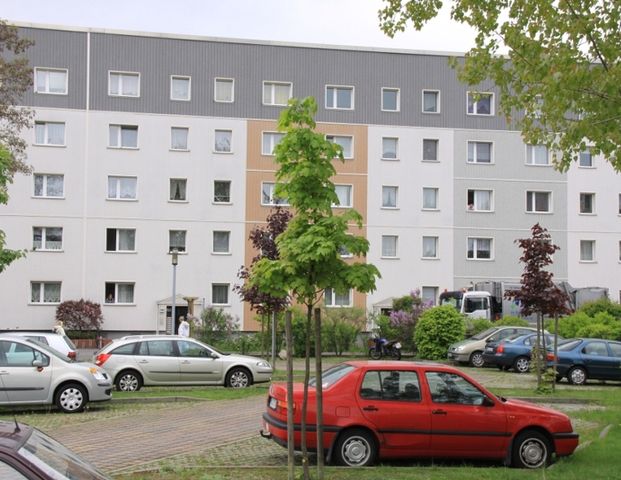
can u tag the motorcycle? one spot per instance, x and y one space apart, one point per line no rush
381 347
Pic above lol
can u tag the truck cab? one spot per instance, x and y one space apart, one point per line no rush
473 304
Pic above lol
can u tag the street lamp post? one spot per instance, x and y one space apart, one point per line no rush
175 259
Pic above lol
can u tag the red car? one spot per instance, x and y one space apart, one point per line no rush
402 410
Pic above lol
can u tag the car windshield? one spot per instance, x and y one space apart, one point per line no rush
49 349
484 334
332 375
56 460
569 345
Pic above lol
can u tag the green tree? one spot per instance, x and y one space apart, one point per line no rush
7 256
309 249
559 79
437 328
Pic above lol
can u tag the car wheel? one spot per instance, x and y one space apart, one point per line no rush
128 381
374 353
521 365
71 398
355 448
577 376
396 353
238 378
476 359
531 449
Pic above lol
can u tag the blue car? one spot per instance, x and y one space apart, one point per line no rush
514 352
588 358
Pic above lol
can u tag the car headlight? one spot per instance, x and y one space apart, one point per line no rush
460 348
264 364
98 374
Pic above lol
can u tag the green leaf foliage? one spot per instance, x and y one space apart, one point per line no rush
580 324
437 328
511 321
555 64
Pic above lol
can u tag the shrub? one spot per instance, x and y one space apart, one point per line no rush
601 325
298 329
216 326
436 329
79 315
601 305
511 321
401 323
340 328
476 325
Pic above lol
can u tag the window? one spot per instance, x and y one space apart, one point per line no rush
620 251
45 292
221 242
389 246
587 203
538 202
120 239
480 103
120 292
222 191
176 240
479 248
430 198
453 388
480 200
124 84
430 247
224 90
479 152
587 250
430 295
346 143
123 136
178 188
270 140
343 192
390 100
333 298
46 185
51 80
179 138
620 204
180 88
341 98
277 93
431 101
220 293
389 148
430 150
47 238
586 159
393 385
222 141
389 196
268 197
49 133
122 188
537 155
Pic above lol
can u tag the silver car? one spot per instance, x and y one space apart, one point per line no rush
139 360
33 373
62 343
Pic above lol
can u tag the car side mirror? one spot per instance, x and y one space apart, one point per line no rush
39 363
487 402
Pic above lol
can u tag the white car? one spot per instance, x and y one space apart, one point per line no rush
62 343
32 373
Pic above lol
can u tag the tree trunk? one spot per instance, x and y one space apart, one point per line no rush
309 318
319 394
555 351
290 431
538 348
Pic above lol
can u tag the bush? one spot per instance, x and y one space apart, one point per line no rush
511 321
79 315
436 329
216 326
476 325
601 305
601 325
298 329
340 328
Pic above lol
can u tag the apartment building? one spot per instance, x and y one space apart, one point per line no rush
144 143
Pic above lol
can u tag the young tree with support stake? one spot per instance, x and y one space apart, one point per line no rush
309 249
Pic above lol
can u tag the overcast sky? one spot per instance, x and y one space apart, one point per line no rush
333 22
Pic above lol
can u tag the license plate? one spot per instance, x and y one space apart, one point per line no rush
273 403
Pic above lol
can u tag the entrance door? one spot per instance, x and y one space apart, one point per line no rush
180 311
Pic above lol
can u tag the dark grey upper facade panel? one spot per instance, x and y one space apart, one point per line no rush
308 68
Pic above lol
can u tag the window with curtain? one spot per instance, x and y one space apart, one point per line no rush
268 197
538 202
51 81
431 101
120 239
124 84
122 188
45 292
48 185
223 140
49 133
389 196
430 150
47 238
479 248
220 294
587 250
221 242
479 152
480 103
333 298
179 138
125 293
429 295
222 191
339 97
480 200
389 245
389 148
430 198
537 155
277 93
430 247
343 192
178 188
176 240
123 136
224 90
180 87
585 158
587 203
390 99
270 140
346 142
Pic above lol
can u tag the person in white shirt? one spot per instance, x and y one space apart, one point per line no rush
184 327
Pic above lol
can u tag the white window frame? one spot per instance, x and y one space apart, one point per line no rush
333 139
532 204
332 295
228 296
394 238
181 77
429 90
44 240
475 206
117 188
350 189
396 157
435 290
475 104
530 156
396 193
120 75
593 245
475 249
187 139
215 200
117 240
215 143
119 136
180 248
398 99
272 95
45 186
228 242
116 293
437 197
46 90
334 96
436 244
230 81
271 203
271 143
593 196
583 154
170 186
475 148
436 142
46 136
42 284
